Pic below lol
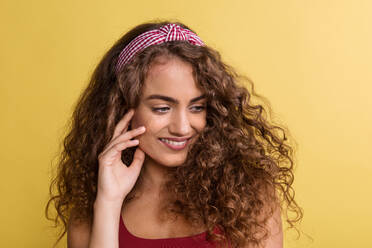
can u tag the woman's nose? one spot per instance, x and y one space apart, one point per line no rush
180 124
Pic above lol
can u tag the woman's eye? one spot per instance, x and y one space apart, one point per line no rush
160 110
165 109
199 108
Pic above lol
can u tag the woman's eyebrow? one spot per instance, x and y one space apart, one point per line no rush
172 100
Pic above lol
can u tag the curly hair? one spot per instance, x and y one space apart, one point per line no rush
242 162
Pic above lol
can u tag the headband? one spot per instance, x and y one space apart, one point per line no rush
166 33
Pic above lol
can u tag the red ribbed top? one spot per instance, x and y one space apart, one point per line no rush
128 240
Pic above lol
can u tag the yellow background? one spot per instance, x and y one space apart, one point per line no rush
310 58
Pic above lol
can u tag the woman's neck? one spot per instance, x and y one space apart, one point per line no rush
153 178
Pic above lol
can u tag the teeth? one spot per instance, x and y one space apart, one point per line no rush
175 143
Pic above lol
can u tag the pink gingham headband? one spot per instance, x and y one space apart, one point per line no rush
169 32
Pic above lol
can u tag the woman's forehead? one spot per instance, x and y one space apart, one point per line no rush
174 77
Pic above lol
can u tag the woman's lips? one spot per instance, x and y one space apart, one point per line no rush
175 147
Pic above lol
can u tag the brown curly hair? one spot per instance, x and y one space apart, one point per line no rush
242 163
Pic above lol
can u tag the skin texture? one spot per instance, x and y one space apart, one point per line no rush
172 78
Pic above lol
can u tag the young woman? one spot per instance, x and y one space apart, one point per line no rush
166 149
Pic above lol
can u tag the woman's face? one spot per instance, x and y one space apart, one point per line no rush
171 107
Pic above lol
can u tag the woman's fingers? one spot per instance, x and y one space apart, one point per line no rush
138 158
123 124
109 155
126 136
130 134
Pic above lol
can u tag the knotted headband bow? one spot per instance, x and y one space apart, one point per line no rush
169 32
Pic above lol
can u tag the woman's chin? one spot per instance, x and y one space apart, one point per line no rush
170 162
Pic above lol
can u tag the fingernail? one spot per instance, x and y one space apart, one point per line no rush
142 128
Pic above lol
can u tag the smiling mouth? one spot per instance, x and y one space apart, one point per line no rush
175 145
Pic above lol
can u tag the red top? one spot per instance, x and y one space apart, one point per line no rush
127 240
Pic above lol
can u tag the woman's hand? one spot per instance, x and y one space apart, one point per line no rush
115 179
